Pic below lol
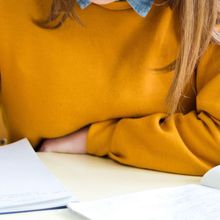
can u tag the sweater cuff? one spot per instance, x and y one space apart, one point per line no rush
100 136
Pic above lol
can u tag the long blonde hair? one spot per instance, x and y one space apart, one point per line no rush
198 20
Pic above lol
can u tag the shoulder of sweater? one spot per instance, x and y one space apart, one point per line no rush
15 10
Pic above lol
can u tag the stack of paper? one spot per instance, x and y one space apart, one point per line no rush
25 183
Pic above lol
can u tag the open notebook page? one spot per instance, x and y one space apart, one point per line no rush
212 178
26 184
183 203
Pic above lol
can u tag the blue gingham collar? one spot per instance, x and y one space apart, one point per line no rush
142 7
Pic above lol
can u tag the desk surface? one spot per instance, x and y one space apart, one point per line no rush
91 178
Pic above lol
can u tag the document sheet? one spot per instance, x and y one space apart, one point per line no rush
189 202
25 183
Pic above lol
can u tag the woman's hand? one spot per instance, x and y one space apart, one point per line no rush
73 143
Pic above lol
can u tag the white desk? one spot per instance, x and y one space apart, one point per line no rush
92 178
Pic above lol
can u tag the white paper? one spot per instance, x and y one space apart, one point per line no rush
25 183
189 202
212 178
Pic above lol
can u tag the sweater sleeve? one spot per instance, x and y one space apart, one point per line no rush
181 143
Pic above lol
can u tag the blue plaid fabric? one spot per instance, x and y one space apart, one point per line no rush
142 7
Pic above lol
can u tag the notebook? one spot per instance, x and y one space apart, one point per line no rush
188 202
25 183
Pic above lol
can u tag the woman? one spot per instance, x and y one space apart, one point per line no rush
137 81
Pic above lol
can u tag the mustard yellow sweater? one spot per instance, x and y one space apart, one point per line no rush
54 82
